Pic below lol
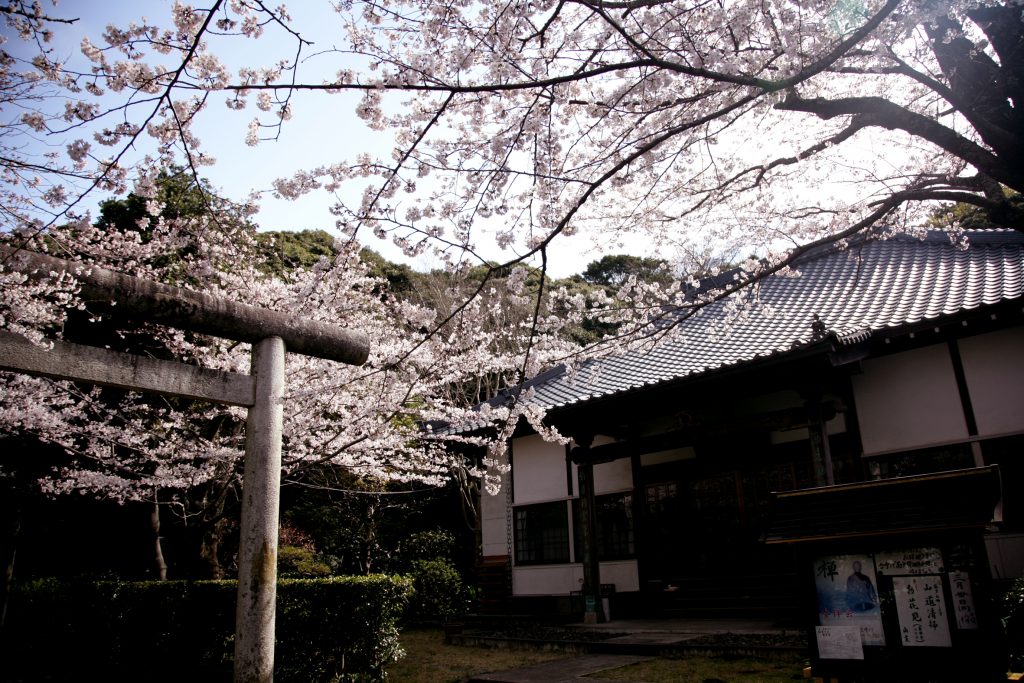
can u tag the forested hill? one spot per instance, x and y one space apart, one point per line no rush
285 251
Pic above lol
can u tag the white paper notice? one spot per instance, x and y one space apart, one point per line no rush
911 561
963 601
921 607
839 642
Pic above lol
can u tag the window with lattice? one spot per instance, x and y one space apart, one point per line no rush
542 533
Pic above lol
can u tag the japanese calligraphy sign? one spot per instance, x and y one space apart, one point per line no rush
921 608
847 595
908 562
963 601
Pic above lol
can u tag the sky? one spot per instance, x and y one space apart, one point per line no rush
324 129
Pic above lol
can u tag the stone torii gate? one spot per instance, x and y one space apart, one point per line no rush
261 391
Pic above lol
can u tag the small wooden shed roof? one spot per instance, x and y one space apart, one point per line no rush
929 503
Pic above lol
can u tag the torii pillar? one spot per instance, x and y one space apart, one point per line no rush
271 333
255 607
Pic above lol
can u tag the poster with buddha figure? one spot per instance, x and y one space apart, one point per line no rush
848 595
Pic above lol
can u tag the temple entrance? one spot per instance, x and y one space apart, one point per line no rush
699 539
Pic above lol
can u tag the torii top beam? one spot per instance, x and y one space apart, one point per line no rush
195 311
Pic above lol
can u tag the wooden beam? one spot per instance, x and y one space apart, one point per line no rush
115 369
190 310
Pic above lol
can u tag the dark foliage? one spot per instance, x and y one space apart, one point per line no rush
181 631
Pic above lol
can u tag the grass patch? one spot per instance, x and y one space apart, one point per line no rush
429 660
703 669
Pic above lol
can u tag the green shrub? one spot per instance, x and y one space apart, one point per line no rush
176 630
342 624
439 592
1013 623
425 545
294 561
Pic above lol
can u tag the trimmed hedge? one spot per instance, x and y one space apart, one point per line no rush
177 630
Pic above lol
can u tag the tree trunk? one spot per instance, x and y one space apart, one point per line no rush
9 548
154 518
210 550
370 539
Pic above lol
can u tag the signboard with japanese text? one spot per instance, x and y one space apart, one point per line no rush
847 595
900 572
909 562
963 601
921 609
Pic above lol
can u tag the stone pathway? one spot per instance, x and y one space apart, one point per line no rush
569 670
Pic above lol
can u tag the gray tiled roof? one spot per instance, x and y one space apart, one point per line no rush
873 286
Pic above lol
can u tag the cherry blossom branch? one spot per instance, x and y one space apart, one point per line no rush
16 9
406 154
877 111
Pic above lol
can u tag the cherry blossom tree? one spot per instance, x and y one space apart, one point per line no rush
762 126
525 122
366 421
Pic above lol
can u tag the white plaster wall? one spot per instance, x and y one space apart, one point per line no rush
994 368
494 536
547 579
623 573
493 523
613 476
908 400
609 477
562 579
539 470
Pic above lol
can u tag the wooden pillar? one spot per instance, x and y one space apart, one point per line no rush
587 552
257 555
821 453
